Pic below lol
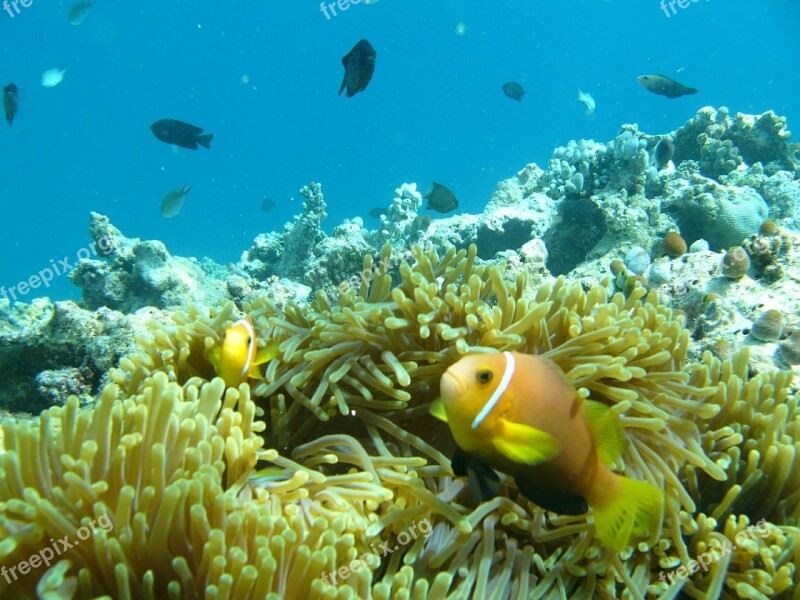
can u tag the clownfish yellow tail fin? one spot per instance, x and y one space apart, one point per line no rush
636 509
607 430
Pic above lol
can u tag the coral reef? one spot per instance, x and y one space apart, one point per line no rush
721 143
270 489
51 350
724 215
350 387
138 274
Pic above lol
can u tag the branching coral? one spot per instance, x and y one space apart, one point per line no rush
353 457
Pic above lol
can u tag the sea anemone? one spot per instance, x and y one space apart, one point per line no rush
349 456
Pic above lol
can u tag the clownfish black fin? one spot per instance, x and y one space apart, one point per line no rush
563 503
483 482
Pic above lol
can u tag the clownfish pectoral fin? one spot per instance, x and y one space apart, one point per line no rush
607 430
483 482
636 510
264 355
437 410
523 444
267 353
564 503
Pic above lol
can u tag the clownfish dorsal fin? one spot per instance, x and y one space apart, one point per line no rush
505 381
523 444
437 410
607 430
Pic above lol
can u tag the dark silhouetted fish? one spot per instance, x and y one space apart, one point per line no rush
267 204
376 213
513 90
359 65
173 201
79 11
664 151
11 101
441 199
664 86
172 131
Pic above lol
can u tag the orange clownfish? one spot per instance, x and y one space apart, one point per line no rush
237 358
518 414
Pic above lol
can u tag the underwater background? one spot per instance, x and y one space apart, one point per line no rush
516 316
434 109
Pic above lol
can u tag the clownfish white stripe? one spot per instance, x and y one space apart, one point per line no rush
499 391
251 340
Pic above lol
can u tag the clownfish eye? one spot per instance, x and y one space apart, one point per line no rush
484 376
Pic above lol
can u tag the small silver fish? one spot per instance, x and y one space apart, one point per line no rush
79 11
52 77
173 201
588 101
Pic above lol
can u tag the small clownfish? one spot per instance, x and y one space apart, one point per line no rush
518 414
237 358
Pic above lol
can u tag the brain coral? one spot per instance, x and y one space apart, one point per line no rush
171 456
722 215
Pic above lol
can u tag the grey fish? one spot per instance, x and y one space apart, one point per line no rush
664 86
513 90
267 204
376 213
79 11
359 65
173 201
441 199
665 149
11 101
172 131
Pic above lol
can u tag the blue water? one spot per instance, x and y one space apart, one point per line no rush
434 109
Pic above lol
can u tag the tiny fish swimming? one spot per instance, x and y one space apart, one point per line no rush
185 135
359 66
173 202
52 77
441 199
518 414
587 101
11 101
513 90
664 86
79 11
